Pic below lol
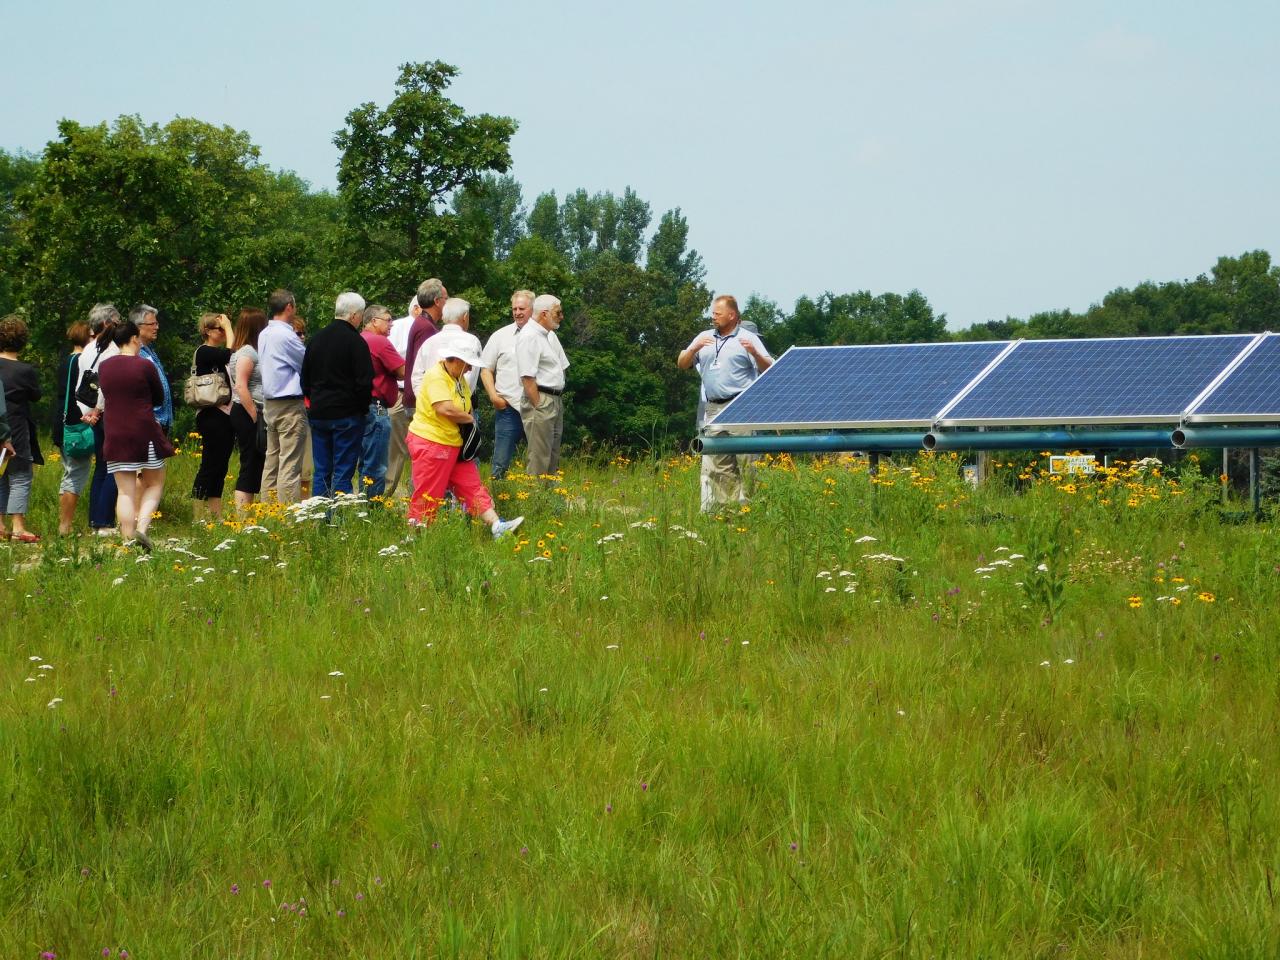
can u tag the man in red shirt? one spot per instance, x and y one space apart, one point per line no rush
431 298
388 367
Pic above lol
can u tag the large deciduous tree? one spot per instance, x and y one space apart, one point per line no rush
400 165
183 216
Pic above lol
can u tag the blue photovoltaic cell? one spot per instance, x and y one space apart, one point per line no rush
1065 381
1251 389
874 385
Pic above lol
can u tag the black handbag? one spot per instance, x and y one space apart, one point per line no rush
470 439
87 392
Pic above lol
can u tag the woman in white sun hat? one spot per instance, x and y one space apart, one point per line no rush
441 422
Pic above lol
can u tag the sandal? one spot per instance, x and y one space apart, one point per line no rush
25 537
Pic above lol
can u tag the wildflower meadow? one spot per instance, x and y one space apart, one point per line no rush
862 716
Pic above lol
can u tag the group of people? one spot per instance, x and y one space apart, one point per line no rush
362 398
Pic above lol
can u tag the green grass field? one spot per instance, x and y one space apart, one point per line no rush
1037 719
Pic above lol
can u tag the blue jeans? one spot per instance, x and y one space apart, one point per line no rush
373 452
335 448
102 489
508 430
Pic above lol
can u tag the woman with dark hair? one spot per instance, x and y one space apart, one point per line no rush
135 445
21 389
246 405
217 436
102 488
65 413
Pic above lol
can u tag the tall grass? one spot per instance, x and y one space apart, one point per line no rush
636 731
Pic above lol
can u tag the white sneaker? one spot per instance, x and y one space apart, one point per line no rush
501 528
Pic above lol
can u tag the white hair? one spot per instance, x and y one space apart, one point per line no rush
544 302
455 308
348 303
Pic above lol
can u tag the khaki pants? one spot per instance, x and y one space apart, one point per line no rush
542 427
726 477
398 453
287 437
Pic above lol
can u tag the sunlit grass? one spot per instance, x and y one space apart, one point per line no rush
863 716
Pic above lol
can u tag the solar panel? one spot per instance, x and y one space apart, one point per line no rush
1250 392
1123 380
879 385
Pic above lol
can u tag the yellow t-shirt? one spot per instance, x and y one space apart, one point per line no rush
437 385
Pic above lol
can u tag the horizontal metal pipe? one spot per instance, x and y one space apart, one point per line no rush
809 443
1226 437
1046 439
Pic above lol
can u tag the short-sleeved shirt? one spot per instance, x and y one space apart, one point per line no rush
429 354
500 357
249 353
726 367
386 360
437 385
539 355
281 350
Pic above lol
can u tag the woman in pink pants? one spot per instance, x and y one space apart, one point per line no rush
435 442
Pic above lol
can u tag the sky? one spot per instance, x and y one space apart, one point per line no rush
1001 156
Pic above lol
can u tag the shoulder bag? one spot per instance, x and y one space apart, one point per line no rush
77 438
205 389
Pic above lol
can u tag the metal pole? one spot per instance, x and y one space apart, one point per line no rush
873 463
1255 480
1225 480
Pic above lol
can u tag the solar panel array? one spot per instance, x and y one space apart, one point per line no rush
1132 380
1249 392
1227 378
877 386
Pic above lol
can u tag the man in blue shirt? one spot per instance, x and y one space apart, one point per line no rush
728 359
280 353
148 330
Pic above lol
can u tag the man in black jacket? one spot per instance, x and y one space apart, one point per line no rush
337 379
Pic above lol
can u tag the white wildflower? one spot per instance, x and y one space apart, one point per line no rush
1016 556
1068 660
198 580
612 646
540 560
824 574
54 702
867 539
1044 663
1002 550
225 545
985 570
390 551
829 590
282 564
1043 568
117 581
34 659
336 673
45 666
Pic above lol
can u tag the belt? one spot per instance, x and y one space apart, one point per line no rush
554 393
723 399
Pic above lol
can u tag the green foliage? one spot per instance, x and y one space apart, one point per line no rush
399 166
183 216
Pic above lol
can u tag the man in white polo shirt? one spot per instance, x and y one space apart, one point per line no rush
541 363
501 380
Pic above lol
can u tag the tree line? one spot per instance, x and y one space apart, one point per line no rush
186 216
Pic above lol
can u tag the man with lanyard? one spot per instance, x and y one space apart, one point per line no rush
728 361
502 382
148 324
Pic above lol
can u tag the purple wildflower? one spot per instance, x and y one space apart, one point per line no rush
608 808
335 881
342 913
84 871
377 881
235 888
524 851
794 845
953 592
644 785
359 896
106 951
48 955
266 884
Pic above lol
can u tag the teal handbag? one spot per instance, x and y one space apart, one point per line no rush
77 438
